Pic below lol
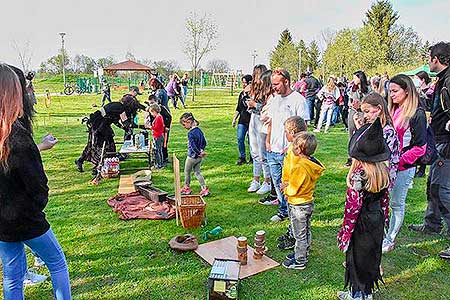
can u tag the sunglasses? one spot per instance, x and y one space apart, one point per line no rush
282 73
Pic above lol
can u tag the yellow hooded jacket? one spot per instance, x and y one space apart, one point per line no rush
302 180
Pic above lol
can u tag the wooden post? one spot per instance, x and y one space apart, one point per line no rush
176 171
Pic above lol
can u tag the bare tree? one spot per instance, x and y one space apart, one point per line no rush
201 33
218 66
25 54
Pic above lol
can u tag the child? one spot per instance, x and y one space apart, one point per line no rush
292 125
157 127
361 234
299 192
195 155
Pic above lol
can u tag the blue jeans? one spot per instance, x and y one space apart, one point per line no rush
310 101
14 266
185 91
335 116
241 133
397 202
275 161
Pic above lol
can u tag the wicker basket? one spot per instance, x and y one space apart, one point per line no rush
192 211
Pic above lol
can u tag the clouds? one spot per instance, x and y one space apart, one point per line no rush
155 29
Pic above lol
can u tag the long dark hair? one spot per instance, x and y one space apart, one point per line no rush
424 76
28 111
255 88
364 84
265 89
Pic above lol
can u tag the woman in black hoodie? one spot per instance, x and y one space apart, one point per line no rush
23 196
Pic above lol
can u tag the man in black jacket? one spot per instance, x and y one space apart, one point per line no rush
438 184
312 88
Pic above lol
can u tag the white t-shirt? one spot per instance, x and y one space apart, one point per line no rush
281 108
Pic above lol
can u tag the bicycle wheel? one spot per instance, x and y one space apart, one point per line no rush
68 90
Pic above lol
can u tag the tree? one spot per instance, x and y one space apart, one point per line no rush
406 47
381 17
313 55
165 67
83 64
201 34
105 61
130 56
25 54
218 66
53 65
285 55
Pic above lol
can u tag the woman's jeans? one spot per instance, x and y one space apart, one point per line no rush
326 109
14 265
241 133
258 147
397 202
185 92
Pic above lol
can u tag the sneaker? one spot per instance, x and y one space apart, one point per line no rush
316 130
294 264
420 174
387 246
265 188
287 244
348 296
284 237
348 163
185 190
290 256
269 200
445 254
38 262
254 186
250 161
422 228
241 161
204 192
32 278
278 217
79 165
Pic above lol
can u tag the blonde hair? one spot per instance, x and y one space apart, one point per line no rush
305 143
411 102
295 124
331 85
375 175
11 108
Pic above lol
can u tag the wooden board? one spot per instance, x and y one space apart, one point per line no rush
177 184
126 184
226 248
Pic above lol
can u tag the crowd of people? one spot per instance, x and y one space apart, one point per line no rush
396 125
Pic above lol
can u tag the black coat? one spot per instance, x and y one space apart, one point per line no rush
23 190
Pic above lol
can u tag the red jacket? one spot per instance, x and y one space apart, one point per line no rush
158 126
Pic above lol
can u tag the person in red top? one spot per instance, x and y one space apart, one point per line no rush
157 127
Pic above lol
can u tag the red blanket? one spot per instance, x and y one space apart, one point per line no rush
135 206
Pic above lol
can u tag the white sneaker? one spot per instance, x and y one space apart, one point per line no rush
265 188
38 262
32 278
254 186
316 130
348 296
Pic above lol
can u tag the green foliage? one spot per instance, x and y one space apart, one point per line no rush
382 17
285 55
110 258
53 65
313 55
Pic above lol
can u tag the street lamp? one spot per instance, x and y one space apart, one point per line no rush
62 34
254 54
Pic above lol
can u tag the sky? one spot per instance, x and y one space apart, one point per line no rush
155 30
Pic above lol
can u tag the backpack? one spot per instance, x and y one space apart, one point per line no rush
431 153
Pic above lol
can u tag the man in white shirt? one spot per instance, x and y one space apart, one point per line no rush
286 103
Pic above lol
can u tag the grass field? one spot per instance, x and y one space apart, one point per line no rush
113 259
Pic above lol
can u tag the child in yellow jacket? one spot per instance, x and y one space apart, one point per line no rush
292 126
299 190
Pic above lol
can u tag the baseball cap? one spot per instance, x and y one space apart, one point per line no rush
136 89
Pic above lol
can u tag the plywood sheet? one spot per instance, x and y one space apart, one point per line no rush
126 184
226 248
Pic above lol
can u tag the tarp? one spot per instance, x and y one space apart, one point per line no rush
425 68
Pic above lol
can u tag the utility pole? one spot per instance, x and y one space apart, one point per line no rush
254 55
62 34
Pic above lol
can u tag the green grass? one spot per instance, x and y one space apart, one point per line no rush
113 259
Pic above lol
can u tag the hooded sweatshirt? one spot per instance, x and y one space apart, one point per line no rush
302 180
